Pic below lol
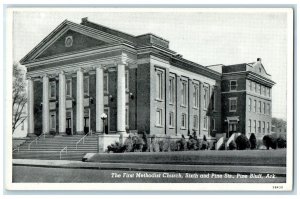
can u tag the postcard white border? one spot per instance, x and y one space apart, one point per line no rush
149 186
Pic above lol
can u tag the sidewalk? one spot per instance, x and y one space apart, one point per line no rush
150 167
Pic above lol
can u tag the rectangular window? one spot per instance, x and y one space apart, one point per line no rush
268 127
172 90
268 92
196 96
264 90
195 122
232 104
249 126
263 127
250 85
69 88
159 85
264 107
53 89
259 127
184 92
53 121
250 104
254 126
183 121
213 124
105 82
268 109
158 117
259 88
255 87
86 85
205 96
205 122
127 117
213 98
259 106
171 119
254 106
126 80
233 85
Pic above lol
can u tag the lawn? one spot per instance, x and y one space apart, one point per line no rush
245 157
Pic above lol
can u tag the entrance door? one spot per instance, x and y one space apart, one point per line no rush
231 129
86 120
69 122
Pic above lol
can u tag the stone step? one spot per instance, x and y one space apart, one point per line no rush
50 147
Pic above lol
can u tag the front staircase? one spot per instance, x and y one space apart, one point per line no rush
50 148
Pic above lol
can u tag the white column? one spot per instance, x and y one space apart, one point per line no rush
99 99
45 104
62 103
30 106
121 109
79 102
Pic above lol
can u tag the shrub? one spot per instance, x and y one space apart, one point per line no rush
204 138
173 145
232 145
204 144
181 144
154 145
242 142
213 147
138 144
116 148
281 142
192 144
270 141
128 144
146 144
252 140
164 144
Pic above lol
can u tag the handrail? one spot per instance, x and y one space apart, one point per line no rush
65 148
36 139
16 149
81 139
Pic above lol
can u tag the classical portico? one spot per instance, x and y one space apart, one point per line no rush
57 105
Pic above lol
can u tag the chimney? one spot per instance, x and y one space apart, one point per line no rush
84 20
259 59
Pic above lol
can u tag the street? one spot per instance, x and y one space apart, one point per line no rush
92 175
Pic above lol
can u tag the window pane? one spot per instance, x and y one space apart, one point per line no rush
172 90
86 85
183 120
171 119
159 84
105 83
52 90
184 93
195 122
233 85
159 117
126 80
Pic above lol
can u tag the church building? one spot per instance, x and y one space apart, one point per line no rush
90 78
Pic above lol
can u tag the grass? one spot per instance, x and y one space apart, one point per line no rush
245 157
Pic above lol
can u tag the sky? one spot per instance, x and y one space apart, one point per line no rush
205 37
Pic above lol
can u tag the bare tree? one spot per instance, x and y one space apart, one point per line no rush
19 96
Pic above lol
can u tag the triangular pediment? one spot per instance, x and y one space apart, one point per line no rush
258 68
69 42
69 37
